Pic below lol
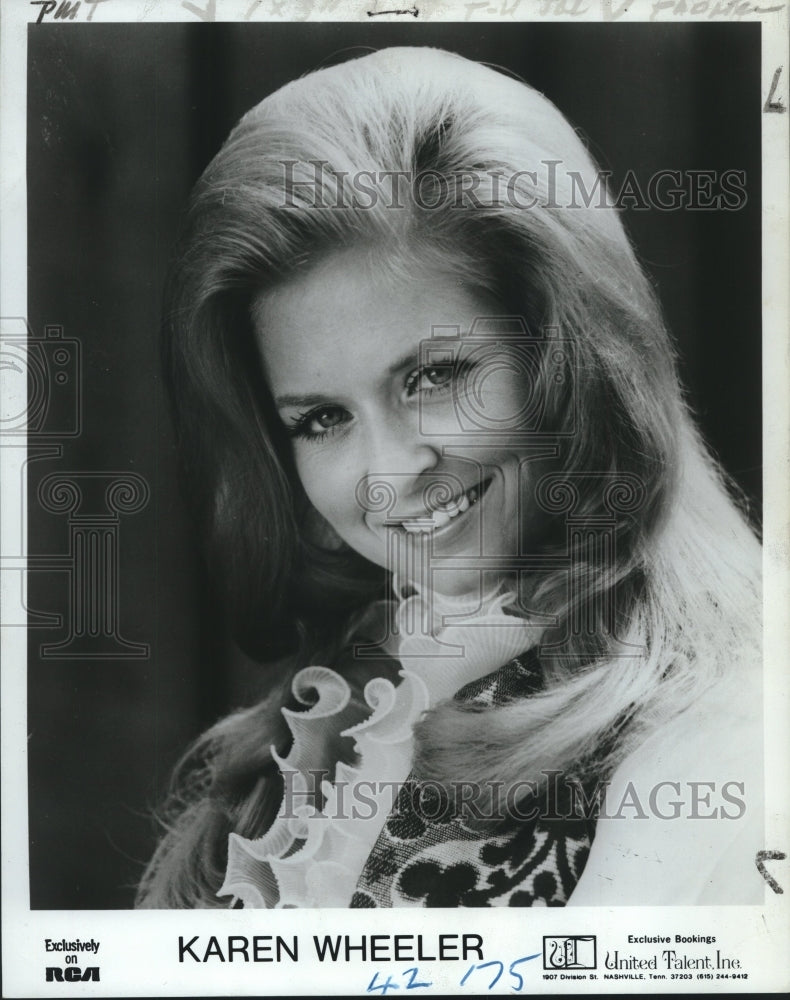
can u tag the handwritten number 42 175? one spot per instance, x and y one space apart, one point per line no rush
412 984
374 985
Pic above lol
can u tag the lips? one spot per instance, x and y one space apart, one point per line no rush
444 514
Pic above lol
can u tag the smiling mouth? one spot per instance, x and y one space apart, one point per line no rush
442 516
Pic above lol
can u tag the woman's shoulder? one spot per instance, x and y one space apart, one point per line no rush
683 814
720 731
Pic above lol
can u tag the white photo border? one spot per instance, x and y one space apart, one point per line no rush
138 953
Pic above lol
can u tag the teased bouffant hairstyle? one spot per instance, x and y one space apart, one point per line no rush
684 584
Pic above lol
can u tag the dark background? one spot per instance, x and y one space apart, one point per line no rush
122 119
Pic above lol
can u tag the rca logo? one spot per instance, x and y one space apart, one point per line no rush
72 974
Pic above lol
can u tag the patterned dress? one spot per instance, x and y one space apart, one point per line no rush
428 854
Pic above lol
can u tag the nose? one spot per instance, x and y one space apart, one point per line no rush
398 455
398 447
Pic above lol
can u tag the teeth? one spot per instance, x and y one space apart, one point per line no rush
454 508
415 527
443 515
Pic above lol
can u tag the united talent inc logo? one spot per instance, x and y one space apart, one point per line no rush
574 951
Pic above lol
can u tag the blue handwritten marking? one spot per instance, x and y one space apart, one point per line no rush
516 975
487 965
412 985
468 973
413 972
389 985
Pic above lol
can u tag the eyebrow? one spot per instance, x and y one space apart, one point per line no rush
407 359
310 399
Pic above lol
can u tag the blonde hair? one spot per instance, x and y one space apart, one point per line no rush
685 584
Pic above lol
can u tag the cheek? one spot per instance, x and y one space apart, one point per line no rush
329 489
495 406
503 398
492 400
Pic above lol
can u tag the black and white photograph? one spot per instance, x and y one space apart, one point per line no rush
393 435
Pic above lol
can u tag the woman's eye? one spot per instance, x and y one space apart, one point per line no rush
319 423
330 417
429 377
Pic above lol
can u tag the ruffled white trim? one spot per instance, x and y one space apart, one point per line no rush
313 857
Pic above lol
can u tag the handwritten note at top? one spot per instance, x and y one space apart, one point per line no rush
305 10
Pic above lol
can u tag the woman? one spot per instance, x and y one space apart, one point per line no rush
452 492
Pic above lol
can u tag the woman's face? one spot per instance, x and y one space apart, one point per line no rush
363 404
